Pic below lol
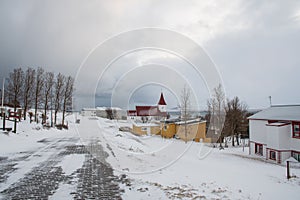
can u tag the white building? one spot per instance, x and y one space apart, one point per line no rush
101 112
275 133
117 113
91 112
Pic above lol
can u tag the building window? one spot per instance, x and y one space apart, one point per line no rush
296 155
272 155
296 130
144 128
258 149
165 127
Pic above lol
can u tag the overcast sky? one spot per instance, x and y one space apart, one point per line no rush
254 45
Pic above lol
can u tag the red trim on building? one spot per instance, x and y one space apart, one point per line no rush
277 120
278 125
272 157
131 112
278 150
258 143
279 157
272 121
145 111
259 149
295 151
296 133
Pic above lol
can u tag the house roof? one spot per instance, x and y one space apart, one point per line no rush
279 112
162 100
192 121
131 112
149 111
105 108
146 124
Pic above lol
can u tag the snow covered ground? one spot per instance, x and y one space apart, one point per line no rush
158 168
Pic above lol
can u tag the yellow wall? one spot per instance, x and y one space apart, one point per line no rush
201 132
138 130
168 130
194 132
155 130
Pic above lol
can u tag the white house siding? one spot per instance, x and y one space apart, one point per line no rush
257 135
273 138
285 142
285 155
280 139
295 144
272 134
284 137
258 130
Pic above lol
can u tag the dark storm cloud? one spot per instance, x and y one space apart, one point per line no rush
254 43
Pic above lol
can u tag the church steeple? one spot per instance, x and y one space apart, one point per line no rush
162 106
162 100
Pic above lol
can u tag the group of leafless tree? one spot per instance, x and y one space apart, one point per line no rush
226 117
111 113
216 114
185 108
41 90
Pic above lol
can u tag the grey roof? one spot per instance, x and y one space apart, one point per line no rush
279 112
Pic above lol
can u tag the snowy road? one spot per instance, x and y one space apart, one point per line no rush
94 160
62 169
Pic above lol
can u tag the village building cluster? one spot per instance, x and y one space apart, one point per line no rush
155 120
274 133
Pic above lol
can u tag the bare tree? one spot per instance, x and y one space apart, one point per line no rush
211 106
16 79
217 113
109 113
58 91
236 116
28 89
39 83
67 97
185 108
48 84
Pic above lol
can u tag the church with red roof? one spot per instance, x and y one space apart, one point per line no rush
158 111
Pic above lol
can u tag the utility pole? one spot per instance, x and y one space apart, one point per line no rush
3 91
270 98
2 108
